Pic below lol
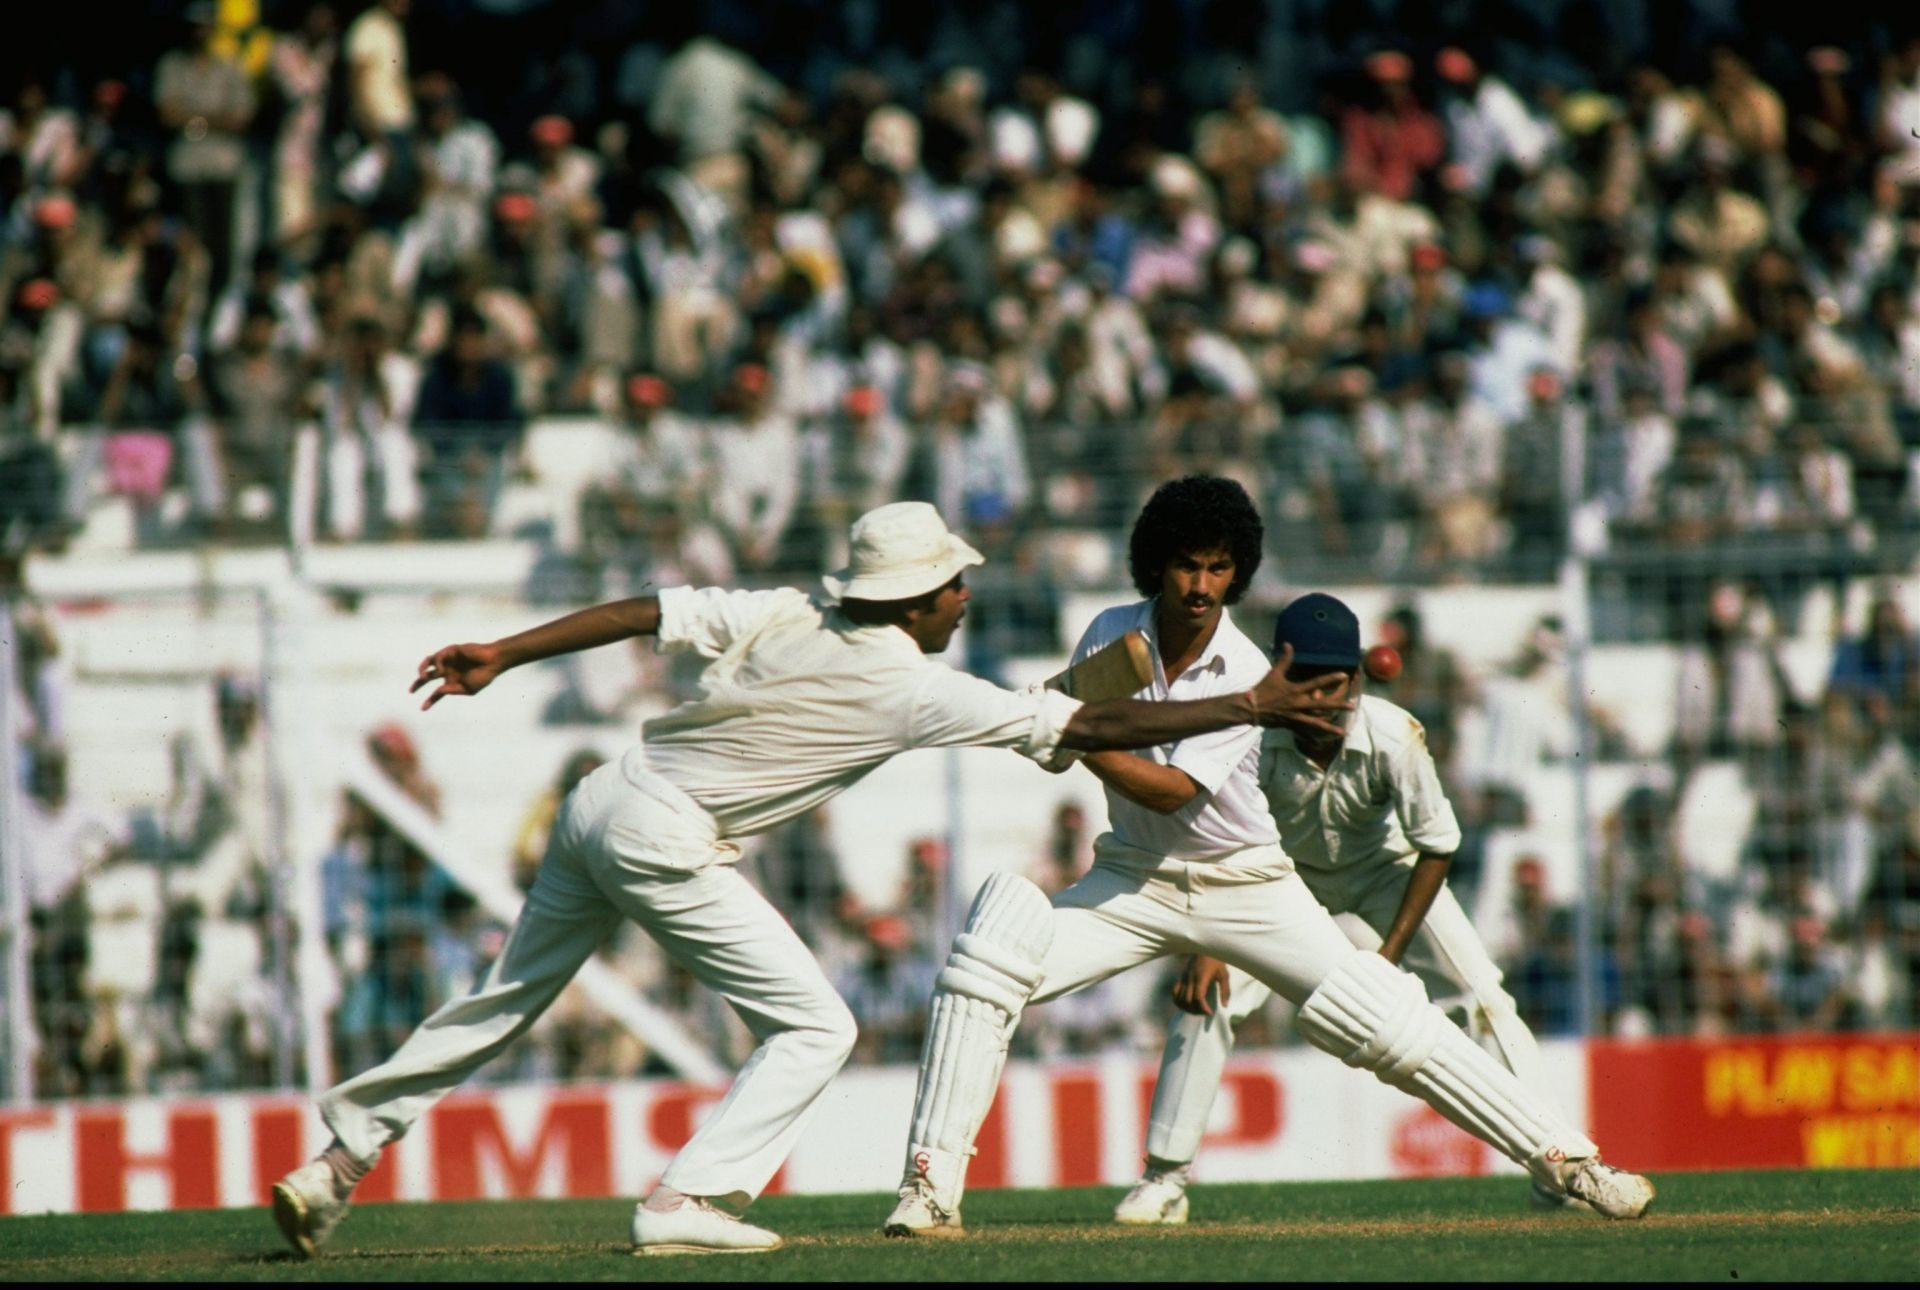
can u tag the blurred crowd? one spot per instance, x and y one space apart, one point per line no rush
1419 281
1449 286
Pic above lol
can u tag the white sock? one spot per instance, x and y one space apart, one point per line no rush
665 1200
347 1170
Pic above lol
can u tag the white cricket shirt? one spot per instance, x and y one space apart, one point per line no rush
799 703
1378 802
1230 814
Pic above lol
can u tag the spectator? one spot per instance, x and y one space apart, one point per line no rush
1900 106
258 392
296 331
1534 946
1525 721
980 457
467 421
1341 461
383 897
683 277
1534 484
1731 693
63 844
366 399
1703 495
1643 359
209 102
1458 441
1069 850
705 102
1488 125
1432 684
855 462
302 72
1716 221
1889 344
756 471
1236 147
1880 668
1389 142
1502 351
461 157
379 90
889 990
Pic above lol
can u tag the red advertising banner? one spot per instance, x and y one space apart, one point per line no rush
1286 1114
1758 1102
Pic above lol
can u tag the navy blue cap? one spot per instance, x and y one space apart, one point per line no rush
1321 629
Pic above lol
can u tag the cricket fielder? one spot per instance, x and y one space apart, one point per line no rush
1367 825
802 698
1193 864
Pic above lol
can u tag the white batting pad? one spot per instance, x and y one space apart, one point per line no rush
990 974
1373 1016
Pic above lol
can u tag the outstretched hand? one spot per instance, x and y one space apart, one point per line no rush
1301 703
1192 991
460 669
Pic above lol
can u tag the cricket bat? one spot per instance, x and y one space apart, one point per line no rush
1116 671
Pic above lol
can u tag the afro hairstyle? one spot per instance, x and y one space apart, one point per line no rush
1190 515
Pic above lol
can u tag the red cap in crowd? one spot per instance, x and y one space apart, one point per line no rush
1390 65
393 740
1456 65
555 131
55 212
516 208
889 932
751 377
37 295
862 401
648 391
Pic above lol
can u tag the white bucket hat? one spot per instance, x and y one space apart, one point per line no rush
900 550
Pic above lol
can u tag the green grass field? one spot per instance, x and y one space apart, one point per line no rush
1859 1225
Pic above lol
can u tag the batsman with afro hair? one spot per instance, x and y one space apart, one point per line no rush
1192 514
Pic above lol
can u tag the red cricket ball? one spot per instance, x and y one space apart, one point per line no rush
1383 662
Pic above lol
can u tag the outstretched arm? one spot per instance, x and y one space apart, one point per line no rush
470 668
1142 723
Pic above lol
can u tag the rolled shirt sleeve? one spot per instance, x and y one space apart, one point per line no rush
953 710
1426 816
1209 759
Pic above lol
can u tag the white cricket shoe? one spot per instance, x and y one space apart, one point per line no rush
1613 1192
308 1205
1159 1199
918 1215
697 1227
1542 1197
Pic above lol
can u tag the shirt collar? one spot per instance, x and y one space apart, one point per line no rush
1213 657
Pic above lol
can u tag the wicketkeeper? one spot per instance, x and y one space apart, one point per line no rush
1370 830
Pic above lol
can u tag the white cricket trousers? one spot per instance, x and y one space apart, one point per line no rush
627 844
1446 954
1248 908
